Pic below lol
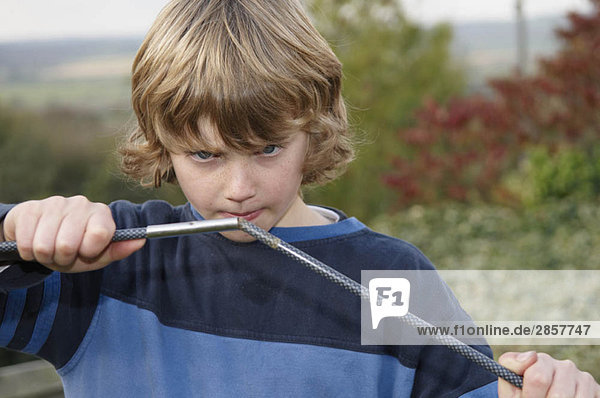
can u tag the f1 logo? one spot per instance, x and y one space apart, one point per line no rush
389 297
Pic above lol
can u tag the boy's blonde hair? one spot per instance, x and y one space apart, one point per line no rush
256 69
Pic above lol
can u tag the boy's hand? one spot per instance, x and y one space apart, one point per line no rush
66 234
544 376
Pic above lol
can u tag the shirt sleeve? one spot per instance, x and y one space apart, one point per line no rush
48 313
42 312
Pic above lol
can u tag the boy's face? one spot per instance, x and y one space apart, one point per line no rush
262 187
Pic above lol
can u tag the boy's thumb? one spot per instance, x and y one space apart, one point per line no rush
518 362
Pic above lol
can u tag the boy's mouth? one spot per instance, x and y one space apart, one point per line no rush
248 216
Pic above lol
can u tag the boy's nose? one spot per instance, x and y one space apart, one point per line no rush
240 184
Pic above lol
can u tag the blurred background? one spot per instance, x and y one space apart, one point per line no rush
478 122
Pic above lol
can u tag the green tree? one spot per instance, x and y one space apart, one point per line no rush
390 64
62 151
27 168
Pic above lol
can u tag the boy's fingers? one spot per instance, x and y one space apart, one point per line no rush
8 226
20 226
564 382
587 386
569 381
44 240
114 252
518 362
99 230
69 238
546 376
120 250
66 234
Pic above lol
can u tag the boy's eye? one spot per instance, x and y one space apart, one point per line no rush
270 150
203 155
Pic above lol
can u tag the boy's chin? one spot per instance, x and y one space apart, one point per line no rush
237 236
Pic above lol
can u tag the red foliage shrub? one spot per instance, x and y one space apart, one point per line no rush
461 150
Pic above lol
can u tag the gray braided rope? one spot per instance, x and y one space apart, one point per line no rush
10 247
361 291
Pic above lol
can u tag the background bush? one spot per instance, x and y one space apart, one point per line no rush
63 151
568 173
466 149
555 235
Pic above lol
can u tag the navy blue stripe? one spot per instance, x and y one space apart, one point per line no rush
46 316
443 370
22 275
13 309
3 300
76 303
26 325
489 390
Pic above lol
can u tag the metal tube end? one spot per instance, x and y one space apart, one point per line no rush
192 227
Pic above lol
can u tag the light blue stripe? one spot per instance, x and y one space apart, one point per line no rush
163 361
45 319
12 315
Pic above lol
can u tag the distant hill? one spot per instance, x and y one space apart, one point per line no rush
88 73
22 61
95 72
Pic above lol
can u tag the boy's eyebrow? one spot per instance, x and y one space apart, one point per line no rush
197 147
200 143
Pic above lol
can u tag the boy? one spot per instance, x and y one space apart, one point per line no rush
239 103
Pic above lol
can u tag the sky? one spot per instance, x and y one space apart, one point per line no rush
48 19
431 11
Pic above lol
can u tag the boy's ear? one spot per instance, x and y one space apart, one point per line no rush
169 174
164 170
